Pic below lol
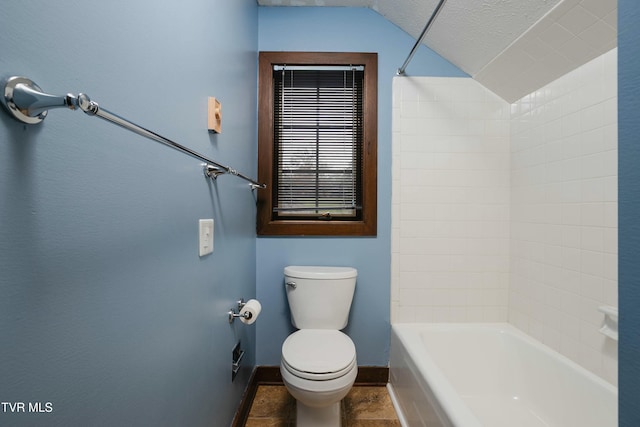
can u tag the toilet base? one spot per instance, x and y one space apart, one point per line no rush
327 416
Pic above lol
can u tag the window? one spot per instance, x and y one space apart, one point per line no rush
317 143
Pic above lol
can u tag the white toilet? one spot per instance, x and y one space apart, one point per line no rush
318 364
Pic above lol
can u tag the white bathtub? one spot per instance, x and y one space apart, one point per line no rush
491 375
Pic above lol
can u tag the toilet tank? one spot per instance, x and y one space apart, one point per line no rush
319 297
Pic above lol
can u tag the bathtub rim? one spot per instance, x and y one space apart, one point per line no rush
457 412
451 402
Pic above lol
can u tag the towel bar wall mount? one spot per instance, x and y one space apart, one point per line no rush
28 103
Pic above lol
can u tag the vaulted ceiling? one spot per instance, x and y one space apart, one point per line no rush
511 46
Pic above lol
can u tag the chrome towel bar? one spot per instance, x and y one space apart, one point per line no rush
26 102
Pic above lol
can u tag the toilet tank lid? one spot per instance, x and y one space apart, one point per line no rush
319 272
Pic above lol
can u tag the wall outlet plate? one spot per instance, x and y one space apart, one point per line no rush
205 233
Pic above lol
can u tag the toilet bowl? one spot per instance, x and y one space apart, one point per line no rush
318 363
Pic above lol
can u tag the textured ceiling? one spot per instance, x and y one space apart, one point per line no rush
469 33
485 38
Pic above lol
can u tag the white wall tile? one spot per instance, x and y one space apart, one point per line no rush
586 190
509 212
577 19
453 233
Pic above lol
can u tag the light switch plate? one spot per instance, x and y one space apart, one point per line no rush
205 227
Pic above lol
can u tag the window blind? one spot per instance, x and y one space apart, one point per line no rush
318 138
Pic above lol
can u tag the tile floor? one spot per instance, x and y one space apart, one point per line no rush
364 406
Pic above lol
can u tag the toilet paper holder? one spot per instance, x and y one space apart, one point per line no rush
232 314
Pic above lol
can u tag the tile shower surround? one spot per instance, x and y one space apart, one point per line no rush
509 212
450 202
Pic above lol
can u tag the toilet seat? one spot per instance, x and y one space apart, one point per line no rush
318 354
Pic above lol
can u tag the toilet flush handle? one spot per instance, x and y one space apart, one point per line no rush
292 285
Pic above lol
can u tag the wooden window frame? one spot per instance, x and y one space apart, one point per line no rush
367 225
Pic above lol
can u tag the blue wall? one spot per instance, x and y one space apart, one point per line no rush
341 29
106 310
629 210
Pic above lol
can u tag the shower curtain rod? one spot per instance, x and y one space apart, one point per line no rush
26 101
434 15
